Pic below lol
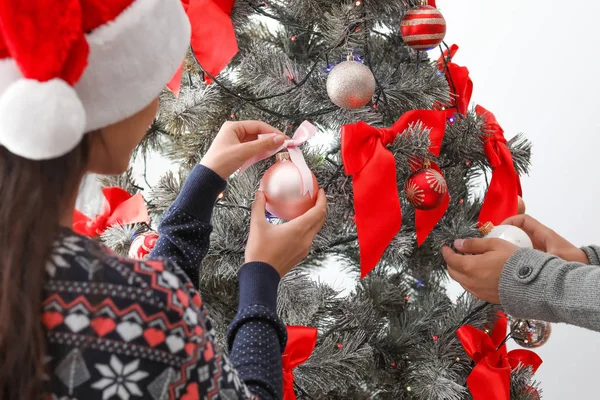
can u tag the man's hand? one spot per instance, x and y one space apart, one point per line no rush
480 269
546 240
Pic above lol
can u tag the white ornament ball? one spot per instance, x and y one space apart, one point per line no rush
350 85
511 234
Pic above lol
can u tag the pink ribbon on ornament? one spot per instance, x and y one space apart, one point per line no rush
304 132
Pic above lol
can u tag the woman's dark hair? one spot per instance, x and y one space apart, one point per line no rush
33 197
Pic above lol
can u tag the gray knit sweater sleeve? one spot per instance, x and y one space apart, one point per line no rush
540 286
593 254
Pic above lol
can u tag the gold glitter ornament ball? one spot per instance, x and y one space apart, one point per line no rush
350 85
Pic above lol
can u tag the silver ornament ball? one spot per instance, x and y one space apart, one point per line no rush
350 85
530 333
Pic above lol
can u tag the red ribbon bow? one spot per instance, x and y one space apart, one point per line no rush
490 379
119 207
300 345
213 37
373 170
501 201
461 85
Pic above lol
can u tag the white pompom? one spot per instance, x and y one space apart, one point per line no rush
511 234
41 120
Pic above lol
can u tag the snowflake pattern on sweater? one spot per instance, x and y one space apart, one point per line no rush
124 329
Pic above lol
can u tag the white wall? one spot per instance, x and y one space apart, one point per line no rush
535 66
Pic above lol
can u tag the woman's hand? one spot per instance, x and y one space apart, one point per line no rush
546 240
286 245
237 142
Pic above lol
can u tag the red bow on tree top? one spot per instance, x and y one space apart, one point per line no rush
373 170
119 208
213 37
461 85
300 345
490 379
501 199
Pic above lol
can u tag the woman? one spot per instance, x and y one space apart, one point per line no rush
76 321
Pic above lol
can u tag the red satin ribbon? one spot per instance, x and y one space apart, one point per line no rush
373 170
490 379
461 85
501 200
431 3
213 37
119 208
300 345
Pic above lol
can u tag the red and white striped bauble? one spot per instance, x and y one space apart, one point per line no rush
142 245
423 28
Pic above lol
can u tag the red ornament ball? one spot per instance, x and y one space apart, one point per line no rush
142 245
425 189
423 28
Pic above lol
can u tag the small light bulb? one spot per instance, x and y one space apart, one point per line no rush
221 195
358 3
457 358
408 389
407 298
435 337
293 38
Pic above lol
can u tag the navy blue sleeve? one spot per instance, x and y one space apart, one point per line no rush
185 228
257 336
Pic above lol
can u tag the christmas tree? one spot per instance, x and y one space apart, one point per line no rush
392 335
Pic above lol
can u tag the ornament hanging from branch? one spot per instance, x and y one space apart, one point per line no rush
142 245
289 186
509 233
530 333
284 190
351 84
423 27
425 188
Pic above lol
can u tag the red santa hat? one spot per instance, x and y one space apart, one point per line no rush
74 66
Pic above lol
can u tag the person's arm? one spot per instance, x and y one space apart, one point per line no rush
593 254
185 228
253 368
541 286
256 337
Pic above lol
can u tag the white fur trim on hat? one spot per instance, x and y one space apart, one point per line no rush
40 120
131 60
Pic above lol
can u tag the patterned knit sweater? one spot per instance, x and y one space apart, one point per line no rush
125 329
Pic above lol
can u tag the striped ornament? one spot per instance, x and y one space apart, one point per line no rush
423 28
